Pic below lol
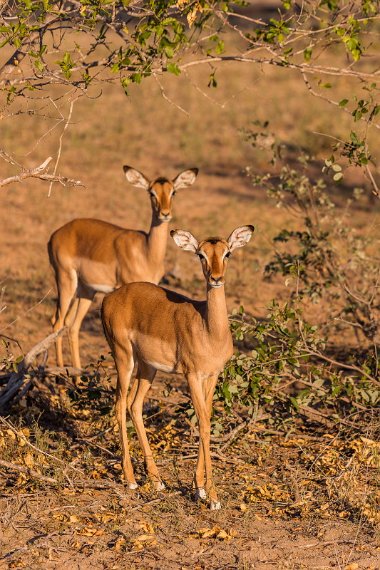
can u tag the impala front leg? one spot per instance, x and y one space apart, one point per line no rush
203 411
208 389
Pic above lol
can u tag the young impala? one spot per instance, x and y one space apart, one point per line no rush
90 255
163 330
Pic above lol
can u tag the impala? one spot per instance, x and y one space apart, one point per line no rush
90 255
163 330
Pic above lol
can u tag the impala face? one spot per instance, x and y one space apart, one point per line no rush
161 190
161 193
213 252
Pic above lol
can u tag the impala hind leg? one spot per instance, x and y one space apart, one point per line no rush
67 282
145 377
203 412
124 366
83 305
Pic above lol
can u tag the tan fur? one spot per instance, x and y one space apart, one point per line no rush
163 330
90 255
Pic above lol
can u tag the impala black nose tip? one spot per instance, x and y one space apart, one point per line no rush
216 281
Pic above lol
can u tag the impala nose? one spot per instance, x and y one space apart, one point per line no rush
216 281
165 215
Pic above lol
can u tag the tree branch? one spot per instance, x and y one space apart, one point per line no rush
37 172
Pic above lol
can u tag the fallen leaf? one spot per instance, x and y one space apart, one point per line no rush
119 543
215 532
29 459
147 527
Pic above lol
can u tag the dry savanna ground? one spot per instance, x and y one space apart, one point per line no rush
296 496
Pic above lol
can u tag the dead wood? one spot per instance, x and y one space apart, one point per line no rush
27 470
18 380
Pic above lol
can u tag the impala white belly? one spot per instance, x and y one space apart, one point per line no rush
101 288
155 352
95 275
161 367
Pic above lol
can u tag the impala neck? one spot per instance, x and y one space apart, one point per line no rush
157 240
216 312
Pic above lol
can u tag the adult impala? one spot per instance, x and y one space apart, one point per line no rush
163 330
90 255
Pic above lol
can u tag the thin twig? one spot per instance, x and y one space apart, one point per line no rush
61 141
342 365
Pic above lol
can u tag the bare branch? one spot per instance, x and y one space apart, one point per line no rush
60 144
37 172
302 67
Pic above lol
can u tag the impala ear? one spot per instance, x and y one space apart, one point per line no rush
185 178
240 237
185 240
135 177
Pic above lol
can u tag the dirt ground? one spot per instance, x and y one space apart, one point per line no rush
292 498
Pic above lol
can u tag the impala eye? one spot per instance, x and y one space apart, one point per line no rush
228 254
200 255
174 192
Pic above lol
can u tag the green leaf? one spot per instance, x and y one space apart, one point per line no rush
337 176
173 68
343 102
212 80
295 403
39 65
307 53
169 51
219 47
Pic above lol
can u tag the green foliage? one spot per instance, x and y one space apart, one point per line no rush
275 32
153 33
287 365
280 351
326 259
66 64
350 36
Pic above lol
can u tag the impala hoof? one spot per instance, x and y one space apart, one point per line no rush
215 505
200 494
132 486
